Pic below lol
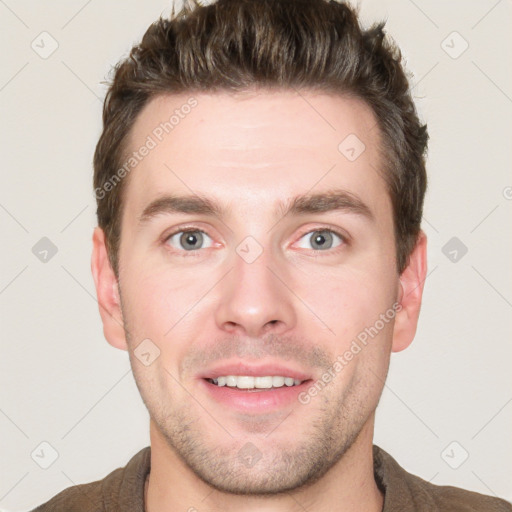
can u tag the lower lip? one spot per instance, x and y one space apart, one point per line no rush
260 401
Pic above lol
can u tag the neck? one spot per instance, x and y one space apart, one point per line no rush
348 486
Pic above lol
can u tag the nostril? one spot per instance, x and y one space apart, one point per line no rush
271 325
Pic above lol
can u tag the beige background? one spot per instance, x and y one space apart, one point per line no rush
61 383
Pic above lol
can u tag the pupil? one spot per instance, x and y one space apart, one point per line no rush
321 240
190 241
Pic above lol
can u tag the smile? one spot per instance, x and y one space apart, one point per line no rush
251 382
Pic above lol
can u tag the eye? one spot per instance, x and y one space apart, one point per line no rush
189 240
322 239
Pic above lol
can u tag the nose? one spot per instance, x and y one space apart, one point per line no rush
254 299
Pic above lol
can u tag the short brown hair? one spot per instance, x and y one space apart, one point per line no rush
236 45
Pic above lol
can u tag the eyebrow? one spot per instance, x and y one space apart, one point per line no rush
332 200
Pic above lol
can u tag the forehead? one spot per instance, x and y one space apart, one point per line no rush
255 146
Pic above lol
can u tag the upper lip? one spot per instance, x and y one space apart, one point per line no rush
260 370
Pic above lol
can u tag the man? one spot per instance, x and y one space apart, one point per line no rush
260 182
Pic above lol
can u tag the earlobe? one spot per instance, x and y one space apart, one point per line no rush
107 292
411 283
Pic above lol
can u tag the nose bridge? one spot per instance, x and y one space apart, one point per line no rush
253 300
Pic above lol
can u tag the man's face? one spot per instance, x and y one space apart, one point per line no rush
251 291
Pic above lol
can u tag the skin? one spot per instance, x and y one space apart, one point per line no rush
296 303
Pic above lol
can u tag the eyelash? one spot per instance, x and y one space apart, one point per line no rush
344 239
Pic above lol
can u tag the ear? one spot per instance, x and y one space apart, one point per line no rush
411 283
107 292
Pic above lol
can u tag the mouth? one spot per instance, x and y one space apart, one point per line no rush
250 383
255 395
254 389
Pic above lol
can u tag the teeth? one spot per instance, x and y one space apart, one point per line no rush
249 382
263 382
231 381
277 382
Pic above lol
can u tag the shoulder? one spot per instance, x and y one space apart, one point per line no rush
405 491
122 484
78 498
455 499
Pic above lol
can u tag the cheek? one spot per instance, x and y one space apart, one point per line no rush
349 300
150 311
